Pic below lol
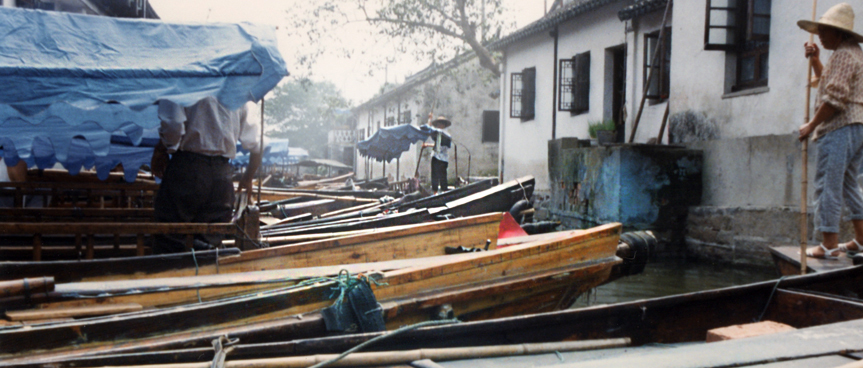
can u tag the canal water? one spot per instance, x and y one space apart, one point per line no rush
669 276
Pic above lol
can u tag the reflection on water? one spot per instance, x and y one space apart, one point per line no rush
672 276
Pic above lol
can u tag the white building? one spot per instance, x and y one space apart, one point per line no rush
736 91
460 90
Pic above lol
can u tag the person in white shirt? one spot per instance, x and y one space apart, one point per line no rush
440 158
196 179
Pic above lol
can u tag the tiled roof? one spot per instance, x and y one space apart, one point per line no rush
550 21
640 8
419 78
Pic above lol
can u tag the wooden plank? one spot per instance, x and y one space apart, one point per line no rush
72 312
787 258
822 340
70 271
110 228
825 361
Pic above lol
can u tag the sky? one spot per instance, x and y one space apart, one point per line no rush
351 76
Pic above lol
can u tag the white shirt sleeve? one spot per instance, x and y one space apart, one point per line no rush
173 127
250 132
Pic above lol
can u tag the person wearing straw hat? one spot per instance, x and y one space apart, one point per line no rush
838 128
440 158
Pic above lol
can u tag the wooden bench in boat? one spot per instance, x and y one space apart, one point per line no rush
83 194
90 229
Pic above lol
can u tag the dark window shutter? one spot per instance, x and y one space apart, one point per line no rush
490 126
528 94
581 101
721 24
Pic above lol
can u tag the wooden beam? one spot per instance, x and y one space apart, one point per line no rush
72 312
111 228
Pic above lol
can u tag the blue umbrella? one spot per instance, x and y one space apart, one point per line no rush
389 143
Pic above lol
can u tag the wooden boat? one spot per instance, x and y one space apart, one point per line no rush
787 261
536 276
499 198
409 241
819 305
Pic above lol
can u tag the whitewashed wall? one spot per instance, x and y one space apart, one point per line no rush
524 144
698 76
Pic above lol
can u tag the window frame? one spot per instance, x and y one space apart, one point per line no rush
523 91
405 117
745 45
663 79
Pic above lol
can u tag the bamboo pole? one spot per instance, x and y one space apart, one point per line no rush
260 182
656 52
407 356
804 180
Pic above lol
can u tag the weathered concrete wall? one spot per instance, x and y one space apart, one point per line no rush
641 186
751 199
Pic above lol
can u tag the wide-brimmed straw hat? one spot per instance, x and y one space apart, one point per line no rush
440 119
840 16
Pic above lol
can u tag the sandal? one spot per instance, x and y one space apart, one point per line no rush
828 253
844 247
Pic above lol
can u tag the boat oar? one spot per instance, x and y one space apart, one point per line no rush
407 356
804 182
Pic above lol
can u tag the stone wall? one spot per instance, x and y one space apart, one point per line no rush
751 199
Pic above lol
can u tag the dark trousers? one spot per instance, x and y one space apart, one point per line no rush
438 174
196 188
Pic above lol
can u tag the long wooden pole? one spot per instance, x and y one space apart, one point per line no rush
260 182
804 180
407 356
656 51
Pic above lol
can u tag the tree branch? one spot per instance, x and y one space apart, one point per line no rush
438 28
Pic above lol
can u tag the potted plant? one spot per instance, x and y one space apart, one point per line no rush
602 131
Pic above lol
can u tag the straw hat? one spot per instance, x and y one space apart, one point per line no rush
840 17
440 119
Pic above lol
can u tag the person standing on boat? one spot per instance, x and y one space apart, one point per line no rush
440 158
838 128
196 180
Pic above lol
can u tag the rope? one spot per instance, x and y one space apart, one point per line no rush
195 258
383 337
221 347
770 299
523 191
259 245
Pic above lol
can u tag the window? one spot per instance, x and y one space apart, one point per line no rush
490 126
405 117
661 81
361 135
523 94
742 28
574 84
391 120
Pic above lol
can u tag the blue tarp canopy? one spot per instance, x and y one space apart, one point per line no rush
389 143
276 152
74 83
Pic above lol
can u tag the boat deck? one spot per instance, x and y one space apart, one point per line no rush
820 346
787 259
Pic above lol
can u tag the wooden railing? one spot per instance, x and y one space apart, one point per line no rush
81 194
85 232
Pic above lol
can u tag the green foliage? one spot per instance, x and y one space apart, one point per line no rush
304 111
594 126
